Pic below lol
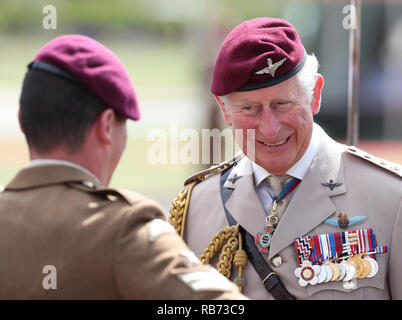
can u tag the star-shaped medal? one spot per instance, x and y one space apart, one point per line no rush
263 239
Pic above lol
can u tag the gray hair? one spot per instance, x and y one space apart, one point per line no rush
307 77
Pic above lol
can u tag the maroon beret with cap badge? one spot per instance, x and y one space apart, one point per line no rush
83 59
258 53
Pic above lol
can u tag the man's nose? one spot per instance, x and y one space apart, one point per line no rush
269 124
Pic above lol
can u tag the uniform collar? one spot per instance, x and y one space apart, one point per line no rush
311 203
48 162
44 175
300 168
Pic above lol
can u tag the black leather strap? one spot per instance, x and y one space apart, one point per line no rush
270 279
272 282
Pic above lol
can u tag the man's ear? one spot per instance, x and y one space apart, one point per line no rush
316 101
19 121
226 115
103 126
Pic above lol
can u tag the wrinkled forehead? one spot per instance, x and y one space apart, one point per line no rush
290 89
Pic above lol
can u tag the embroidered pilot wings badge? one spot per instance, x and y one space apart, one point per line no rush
344 221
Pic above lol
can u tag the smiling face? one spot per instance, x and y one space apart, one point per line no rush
282 117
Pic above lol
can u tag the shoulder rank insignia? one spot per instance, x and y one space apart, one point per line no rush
385 164
202 175
344 222
179 208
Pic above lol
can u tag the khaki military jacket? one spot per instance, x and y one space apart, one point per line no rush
64 236
366 186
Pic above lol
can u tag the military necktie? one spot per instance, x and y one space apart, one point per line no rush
277 208
279 204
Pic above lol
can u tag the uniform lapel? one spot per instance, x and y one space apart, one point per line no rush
311 204
244 204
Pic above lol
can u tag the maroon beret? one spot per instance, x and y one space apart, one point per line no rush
258 53
80 58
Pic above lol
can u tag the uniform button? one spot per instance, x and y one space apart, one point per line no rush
111 197
276 261
88 184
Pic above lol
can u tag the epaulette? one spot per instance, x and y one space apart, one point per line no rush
202 175
385 164
178 211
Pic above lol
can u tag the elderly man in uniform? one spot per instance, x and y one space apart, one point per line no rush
65 234
296 215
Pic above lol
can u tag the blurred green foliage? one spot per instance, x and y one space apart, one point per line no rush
19 15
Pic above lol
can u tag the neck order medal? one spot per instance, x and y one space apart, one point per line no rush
263 239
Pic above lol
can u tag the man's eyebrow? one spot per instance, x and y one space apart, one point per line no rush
244 102
291 99
291 96
240 103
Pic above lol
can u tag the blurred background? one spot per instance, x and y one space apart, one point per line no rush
169 48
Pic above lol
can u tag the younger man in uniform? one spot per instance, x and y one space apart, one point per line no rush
64 233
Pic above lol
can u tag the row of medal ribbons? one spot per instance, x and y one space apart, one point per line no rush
340 256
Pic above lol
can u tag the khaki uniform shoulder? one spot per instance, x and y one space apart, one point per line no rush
136 206
179 208
202 175
111 194
385 164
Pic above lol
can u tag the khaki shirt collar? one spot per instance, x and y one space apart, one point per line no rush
42 175
46 162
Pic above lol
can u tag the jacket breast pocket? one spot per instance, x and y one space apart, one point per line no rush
366 288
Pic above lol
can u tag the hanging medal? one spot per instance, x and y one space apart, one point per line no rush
263 239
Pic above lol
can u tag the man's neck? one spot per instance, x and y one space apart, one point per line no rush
77 159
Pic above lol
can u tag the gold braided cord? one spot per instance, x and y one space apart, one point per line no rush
240 261
178 212
240 257
217 243
229 240
225 259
